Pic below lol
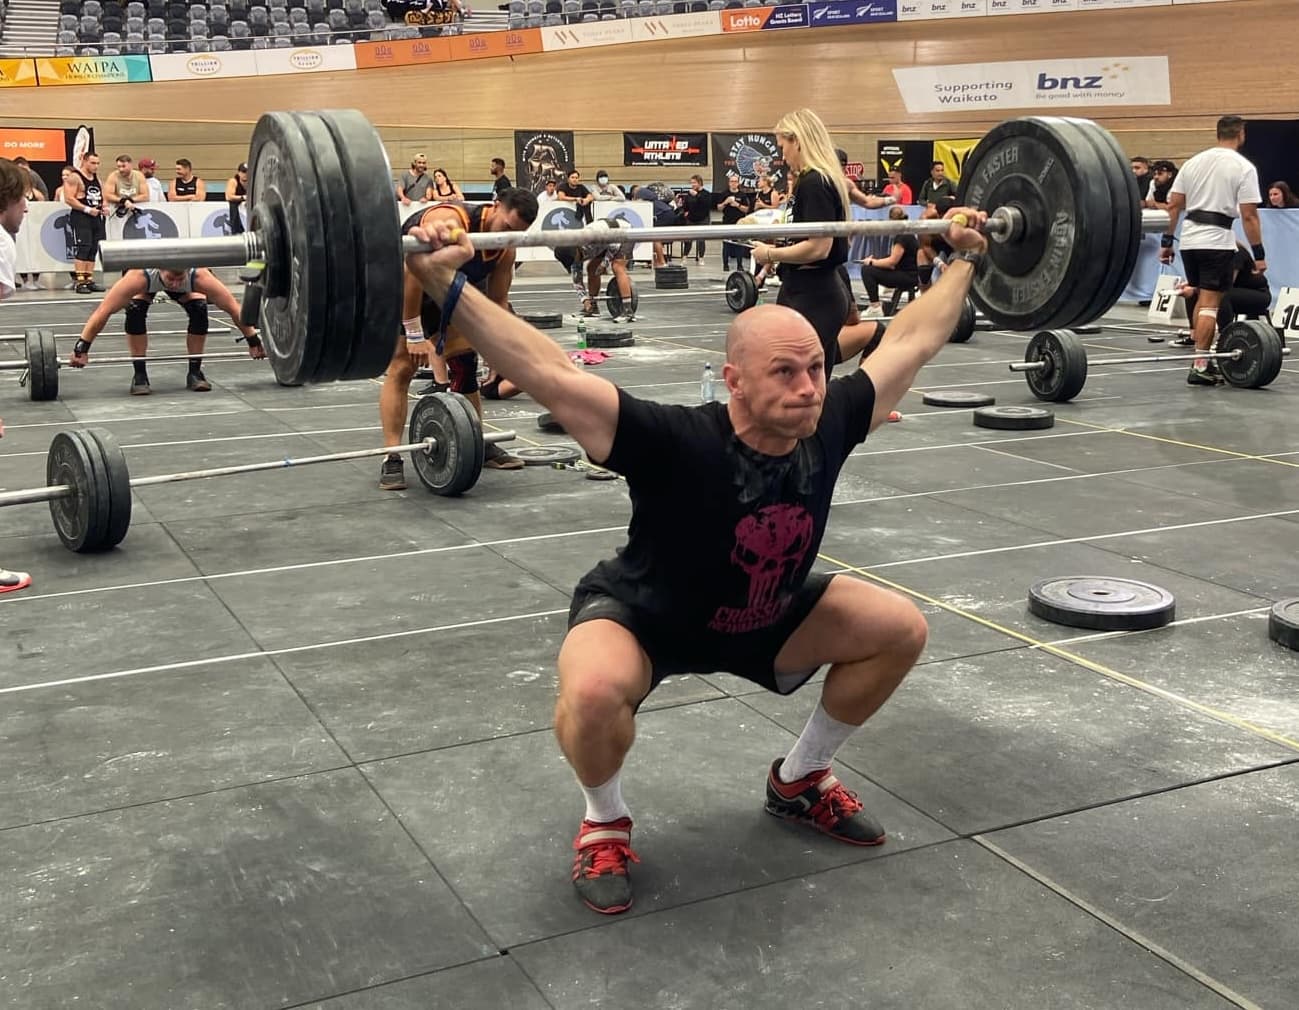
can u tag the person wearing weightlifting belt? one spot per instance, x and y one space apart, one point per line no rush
1213 188
729 505
135 292
13 208
425 335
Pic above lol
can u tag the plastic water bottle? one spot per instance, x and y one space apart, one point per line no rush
581 333
706 385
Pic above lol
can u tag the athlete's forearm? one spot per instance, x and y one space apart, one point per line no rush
1250 225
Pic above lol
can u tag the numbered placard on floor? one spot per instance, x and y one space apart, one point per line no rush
1285 317
1166 305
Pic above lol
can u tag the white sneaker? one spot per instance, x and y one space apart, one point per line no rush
31 286
873 312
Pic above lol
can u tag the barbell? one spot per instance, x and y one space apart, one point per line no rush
88 486
41 369
324 242
1249 355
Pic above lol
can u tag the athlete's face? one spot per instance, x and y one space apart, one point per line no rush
11 218
124 166
779 373
506 220
172 278
91 164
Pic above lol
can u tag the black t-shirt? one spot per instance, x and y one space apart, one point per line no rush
732 215
1243 264
502 182
1159 193
816 199
698 206
909 246
579 192
721 536
187 187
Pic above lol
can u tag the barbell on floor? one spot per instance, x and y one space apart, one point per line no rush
41 369
1064 216
88 486
1250 353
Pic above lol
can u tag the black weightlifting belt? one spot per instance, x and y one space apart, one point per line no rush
1210 217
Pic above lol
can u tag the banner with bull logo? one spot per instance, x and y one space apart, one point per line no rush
748 155
540 155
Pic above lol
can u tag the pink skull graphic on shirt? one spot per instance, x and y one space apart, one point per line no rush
770 546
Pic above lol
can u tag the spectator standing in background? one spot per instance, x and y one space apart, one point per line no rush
1141 169
767 198
500 180
548 194
1163 173
937 186
236 193
698 206
1279 196
896 188
572 191
37 182
734 204
186 187
157 192
444 188
29 282
415 185
605 190
84 193
124 188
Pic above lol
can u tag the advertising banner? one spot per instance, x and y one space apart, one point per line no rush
682 149
307 60
17 73
57 70
1109 5
481 45
851 12
952 153
910 157
1030 6
540 155
197 66
586 34
754 19
675 26
34 145
747 155
1027 84
932 10
403 53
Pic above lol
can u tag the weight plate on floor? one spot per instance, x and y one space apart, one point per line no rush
117 481
80 519
964 325
1101 603
599 473
376 249
42 364
1154 338
614 302
286 208
1065 358
547 422
957 398
542 455
610 338
454 465
1283 623
1260 353
1050 273
1013 418
339 244
543 320
741 291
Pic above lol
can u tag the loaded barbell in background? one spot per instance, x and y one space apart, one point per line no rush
1249 355
1064 218
41 369
89 488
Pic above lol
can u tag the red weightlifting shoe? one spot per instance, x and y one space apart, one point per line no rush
11 582
822 802
600 867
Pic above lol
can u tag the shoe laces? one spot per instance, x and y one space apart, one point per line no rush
836 804
605 856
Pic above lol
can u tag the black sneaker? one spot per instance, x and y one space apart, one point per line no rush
600 873
1183 339
496 458
197 382
392 475
82 288
140 386
1208 376
822 802
434 387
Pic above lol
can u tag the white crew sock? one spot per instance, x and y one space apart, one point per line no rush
605 803
816 746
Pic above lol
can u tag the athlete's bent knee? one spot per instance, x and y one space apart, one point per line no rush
196 309
135 321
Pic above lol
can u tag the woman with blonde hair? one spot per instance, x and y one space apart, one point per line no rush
811 281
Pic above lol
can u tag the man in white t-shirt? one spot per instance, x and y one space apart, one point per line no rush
1213 189
13 206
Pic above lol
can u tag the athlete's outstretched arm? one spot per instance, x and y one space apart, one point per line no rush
586 405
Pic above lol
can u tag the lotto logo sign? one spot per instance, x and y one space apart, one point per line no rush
753 19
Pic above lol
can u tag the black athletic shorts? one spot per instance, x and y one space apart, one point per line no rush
87 232
823 298
1209 269
751 656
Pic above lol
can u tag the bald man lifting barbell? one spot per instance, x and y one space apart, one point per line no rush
729 504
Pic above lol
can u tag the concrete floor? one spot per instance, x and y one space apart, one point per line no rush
289 744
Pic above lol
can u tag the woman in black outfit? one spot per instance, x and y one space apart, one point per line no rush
897 270
811 281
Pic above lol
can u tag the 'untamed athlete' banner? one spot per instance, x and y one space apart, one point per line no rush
540 155
59 70
748 155
684 149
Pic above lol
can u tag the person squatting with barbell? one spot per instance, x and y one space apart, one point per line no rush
732 589
136 291
426 332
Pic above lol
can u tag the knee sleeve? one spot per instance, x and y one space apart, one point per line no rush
462 373
880 327
196 309
136 318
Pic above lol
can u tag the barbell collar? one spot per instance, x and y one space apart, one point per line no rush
28 496
1004 224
